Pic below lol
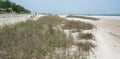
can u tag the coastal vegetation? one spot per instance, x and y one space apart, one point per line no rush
83 17
44 38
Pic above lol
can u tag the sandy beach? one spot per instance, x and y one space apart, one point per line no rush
107 35
109 23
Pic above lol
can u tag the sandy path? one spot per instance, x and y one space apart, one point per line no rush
109 25
13 18
108 36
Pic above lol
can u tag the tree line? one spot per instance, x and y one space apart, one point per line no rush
8 6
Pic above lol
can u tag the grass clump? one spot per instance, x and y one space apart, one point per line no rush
84 49
85 46
83 17
85 36
77 25
32 39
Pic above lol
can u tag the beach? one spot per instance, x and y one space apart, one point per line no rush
107 35
109 23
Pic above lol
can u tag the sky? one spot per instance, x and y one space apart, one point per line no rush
71 6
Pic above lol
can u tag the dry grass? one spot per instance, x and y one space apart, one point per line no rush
31 39
52 19
40 39
84 49
86 36
85 46
83 17
77 25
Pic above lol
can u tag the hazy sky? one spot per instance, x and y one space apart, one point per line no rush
72 6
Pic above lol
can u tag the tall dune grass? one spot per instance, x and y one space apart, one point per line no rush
29 39
37 39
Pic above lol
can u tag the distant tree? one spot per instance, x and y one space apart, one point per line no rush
8 5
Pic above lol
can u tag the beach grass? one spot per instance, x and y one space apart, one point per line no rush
77 25
38 39
86 36
31 39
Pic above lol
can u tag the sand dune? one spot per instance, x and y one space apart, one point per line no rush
107 34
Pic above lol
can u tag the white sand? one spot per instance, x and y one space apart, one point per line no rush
107 36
